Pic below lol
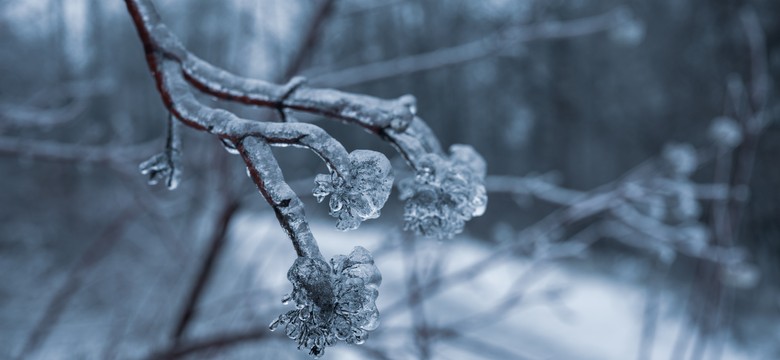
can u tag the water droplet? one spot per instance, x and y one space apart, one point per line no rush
229 146
372 322
479 202
304 314
286 299
275 324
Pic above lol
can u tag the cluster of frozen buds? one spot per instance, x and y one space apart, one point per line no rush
444 193
333 302
669 197
360 194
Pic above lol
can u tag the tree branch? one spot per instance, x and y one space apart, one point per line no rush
488 46
267 175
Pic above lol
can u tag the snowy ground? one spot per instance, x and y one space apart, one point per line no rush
568 313
123 311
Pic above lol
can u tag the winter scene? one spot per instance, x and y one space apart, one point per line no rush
390 179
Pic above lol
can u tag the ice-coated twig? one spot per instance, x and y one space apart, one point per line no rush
393 120
289 88
231 128
166 166
367 110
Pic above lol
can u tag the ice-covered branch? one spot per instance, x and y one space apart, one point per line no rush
367 110
267 175
393 120
336 302
229 127
166 166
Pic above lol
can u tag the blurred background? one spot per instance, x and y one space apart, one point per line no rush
632 176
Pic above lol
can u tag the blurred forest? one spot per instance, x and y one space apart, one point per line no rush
571 103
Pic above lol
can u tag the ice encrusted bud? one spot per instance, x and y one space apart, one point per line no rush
445 193
164 166
361 193
680 159
725 132
333 302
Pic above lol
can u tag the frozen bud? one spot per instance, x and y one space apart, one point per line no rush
360 194
333 303
445 193
410 102
466 155
165 166
725 132
680 159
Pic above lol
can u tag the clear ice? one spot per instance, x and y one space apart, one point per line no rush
335 301
360 194
165 166
445 193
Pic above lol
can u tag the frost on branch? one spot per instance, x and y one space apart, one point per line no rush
333 302
445 193
362 192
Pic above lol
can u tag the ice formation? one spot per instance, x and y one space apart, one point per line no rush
445 193
360 194
164 166
333 302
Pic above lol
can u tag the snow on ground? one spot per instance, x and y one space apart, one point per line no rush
595 317
127 311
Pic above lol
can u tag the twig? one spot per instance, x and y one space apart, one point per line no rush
61 152
321 15
475 50
214 342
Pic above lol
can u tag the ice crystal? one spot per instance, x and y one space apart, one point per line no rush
445 193
164 166
333 302
360 194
